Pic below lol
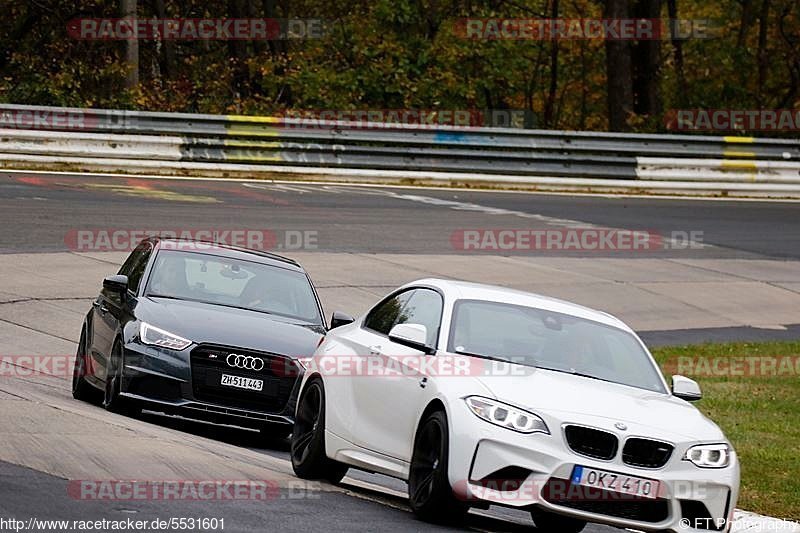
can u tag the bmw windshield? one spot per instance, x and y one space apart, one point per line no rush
551 341
234 283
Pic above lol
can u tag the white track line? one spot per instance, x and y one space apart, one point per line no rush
408 187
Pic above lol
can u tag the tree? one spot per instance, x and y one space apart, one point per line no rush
169 65
677 47
647 63
408 54
619 71
551 94
762 57
131 47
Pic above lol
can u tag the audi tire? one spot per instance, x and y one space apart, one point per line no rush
80 389
112 401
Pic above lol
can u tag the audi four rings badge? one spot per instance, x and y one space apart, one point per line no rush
245 362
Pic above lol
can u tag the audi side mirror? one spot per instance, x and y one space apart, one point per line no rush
117 283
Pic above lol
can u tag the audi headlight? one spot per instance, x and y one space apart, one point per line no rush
506 416
709 455
158 337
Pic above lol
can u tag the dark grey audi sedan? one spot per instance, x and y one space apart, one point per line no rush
203 331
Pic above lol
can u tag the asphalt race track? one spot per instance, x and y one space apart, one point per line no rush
371 219
738 279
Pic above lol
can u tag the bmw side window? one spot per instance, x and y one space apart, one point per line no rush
139 263
425 308
382 318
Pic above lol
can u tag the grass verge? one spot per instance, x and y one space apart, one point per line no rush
752 390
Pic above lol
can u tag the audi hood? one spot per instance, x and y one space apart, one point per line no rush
241 328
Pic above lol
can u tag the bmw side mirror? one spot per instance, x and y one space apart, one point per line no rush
117 283
340 319
411 335
686 389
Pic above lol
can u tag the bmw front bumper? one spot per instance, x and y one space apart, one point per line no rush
493 465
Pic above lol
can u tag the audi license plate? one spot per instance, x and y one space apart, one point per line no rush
242 383
601 479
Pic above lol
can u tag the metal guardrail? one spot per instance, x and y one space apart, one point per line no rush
190 143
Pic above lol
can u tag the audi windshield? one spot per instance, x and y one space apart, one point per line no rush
228 282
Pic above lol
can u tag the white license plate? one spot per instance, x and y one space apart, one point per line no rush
242 383
601 479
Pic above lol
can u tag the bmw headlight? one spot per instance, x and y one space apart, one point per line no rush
709 455
506 416
158 337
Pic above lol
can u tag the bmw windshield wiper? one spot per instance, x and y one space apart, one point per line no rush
482 356
573 372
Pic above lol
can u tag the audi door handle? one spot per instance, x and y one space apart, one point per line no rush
374 350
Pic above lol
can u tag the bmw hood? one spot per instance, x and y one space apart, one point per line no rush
214 324
564 398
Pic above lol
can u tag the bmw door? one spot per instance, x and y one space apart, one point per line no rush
393 390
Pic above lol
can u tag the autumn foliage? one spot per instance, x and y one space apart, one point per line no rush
412 54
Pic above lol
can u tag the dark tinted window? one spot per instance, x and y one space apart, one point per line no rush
414 306
387 314
127 266
423 307
135 264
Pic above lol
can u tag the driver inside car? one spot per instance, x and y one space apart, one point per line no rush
170 277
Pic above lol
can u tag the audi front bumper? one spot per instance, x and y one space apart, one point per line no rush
180 383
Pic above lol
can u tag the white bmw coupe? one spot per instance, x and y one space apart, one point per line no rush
479 395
